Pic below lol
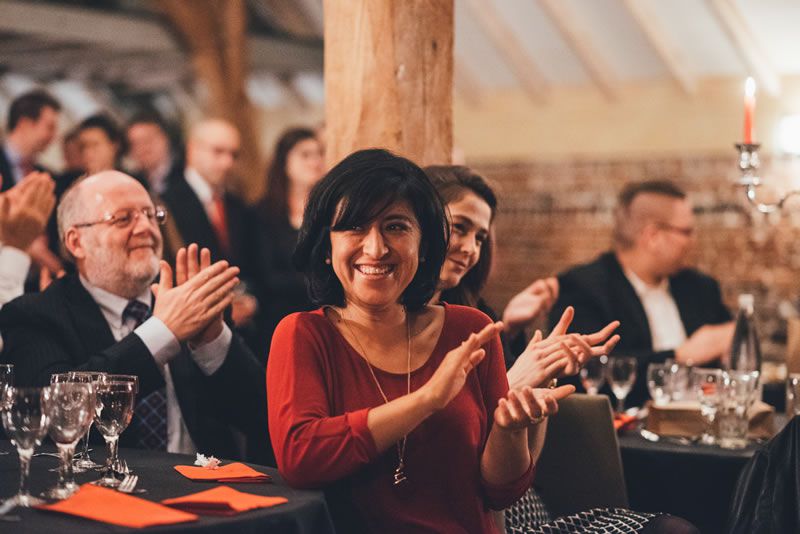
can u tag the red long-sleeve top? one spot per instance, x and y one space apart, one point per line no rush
319 393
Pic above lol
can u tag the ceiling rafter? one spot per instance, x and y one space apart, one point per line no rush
647 20
502 37
747 45
581 44
295 95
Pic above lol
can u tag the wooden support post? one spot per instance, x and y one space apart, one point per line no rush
389 78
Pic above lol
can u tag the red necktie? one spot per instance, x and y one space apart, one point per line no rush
218 221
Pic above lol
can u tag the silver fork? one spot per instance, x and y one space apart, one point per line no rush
128 484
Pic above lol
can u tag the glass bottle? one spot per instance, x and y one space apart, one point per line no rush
746 350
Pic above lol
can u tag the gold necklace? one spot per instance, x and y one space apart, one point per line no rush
399 473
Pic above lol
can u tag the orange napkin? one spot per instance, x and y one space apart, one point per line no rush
235 472
222 500
110 506
621 420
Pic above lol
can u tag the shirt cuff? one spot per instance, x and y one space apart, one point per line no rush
14 266
158 339
211 356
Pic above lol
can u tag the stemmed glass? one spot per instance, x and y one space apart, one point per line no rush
70 410
658 383
621 375
706 385
593 374
84 463
6 381
25 421
113 413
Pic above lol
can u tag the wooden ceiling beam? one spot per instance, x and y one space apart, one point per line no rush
647 20
504 40
747 45
598 69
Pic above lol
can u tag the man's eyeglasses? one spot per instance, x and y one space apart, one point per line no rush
688 231
124 218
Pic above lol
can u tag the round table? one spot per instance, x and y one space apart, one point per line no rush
306 511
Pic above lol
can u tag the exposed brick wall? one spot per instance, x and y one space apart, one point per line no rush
559 213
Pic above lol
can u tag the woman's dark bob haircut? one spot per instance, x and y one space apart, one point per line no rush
355 192
453 182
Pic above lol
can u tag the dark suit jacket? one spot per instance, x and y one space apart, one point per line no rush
63 329
600 293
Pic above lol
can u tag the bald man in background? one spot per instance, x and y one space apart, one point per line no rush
203 210
666 309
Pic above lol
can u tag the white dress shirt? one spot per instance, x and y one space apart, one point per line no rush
204 192
15 162
14 266
163 345
666 326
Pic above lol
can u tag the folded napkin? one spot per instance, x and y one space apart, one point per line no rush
235 472
222 500
621 420
110 506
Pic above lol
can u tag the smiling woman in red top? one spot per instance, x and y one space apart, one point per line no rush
399 409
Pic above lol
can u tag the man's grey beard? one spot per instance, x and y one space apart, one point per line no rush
128 283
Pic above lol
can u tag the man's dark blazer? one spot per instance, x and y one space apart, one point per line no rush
600 293
63 329
6 171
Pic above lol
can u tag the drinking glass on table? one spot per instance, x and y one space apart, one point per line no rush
6 381
621 374
706 384
593 374
737 393
113 413
658 383
793 394
70 410
84 463
25 421
679 383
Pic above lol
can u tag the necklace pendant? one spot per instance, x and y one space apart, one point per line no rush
400 475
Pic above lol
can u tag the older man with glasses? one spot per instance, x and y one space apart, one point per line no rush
666 309
196 377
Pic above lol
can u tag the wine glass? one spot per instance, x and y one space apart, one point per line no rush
85 462
113 413
593 374
706 386
621 372
25 421
6 381
70 410
658 383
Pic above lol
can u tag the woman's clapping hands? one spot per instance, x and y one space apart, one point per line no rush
526 407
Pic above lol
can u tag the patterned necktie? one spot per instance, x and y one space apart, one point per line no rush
151 410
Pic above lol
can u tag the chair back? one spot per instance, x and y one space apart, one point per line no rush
580 466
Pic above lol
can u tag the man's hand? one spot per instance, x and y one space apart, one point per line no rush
243 309
529 304
193 308
25 209
707 344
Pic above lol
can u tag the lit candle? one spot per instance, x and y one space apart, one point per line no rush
749 109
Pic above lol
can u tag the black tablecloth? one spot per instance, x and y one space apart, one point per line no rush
695 482
306 511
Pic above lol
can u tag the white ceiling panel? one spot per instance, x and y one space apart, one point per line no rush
473 47
542 41
775 25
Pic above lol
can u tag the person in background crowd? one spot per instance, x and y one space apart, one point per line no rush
206 212
102 144
151 151
297 165
400 409
666 309
71 152
196 378
31 127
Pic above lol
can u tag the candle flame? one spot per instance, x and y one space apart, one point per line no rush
750 86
